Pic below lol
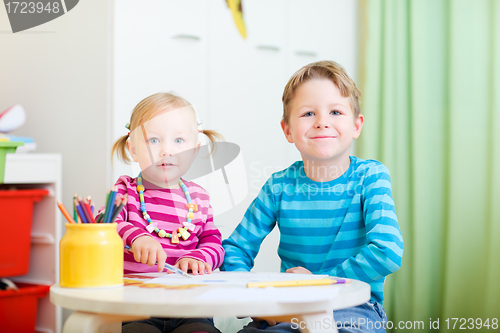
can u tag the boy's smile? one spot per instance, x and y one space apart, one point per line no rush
322 126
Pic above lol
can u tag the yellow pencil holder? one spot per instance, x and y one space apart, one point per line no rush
91 255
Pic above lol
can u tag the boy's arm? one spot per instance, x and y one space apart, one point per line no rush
384 250
244 243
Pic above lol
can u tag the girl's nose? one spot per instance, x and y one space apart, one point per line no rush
165 151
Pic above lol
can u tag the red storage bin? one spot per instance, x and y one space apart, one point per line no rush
16 214
18 307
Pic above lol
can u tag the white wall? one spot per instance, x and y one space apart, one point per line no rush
59 73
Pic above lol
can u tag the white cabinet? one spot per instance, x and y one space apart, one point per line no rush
41 171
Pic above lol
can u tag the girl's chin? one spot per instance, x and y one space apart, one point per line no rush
161 181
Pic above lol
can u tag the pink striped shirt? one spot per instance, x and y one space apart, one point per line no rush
167 208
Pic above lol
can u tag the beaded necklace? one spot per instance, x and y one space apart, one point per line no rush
153 226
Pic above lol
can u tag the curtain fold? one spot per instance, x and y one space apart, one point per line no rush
430 76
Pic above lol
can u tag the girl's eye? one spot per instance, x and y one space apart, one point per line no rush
335 112
308 114
179 140
153 141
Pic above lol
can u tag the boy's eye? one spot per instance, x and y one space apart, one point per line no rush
179 140
153 141
308 114
335 112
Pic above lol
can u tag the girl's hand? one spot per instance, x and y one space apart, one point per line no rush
148 250
298 270
196 266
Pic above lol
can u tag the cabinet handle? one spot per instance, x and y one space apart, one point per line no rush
185 36
42 238
306 53
268 47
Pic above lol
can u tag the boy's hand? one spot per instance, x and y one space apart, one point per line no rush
196 266
298 270
148 250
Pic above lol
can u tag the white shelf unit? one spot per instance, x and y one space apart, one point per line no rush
29 171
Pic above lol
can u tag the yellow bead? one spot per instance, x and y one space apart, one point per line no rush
162 233
140 188
184 234
190 215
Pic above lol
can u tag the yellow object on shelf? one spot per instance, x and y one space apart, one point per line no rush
91 255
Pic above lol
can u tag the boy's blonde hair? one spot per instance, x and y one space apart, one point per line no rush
147 109
326 69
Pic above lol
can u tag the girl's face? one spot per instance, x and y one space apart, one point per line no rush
165 146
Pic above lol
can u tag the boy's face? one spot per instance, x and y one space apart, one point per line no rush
321 123
165 146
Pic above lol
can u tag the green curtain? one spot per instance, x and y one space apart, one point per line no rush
430 77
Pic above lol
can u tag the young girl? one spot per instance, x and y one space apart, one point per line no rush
166 219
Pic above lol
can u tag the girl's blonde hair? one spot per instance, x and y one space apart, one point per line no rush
145 110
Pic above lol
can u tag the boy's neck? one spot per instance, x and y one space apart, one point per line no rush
327 171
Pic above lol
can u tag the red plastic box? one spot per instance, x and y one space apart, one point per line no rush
18 307
16 214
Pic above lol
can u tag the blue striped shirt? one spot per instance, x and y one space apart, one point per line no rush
346 227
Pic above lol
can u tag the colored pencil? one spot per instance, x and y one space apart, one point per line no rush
80 212
86 211
296 283
100 217
119 208
65 212
75 214
111 200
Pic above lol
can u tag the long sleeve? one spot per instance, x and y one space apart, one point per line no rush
383 252
209 248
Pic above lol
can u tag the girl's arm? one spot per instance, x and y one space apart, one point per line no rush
209 248
127 230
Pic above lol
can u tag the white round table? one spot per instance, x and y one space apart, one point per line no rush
95 307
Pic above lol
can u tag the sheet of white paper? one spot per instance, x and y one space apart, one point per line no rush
271 294
231 278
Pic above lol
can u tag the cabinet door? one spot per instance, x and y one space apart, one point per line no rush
246 81
322 30
158 46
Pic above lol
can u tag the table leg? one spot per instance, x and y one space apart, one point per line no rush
316 323
86 322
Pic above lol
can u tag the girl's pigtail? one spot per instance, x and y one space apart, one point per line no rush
120 148
214 137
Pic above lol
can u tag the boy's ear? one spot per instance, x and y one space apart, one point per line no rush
132 150
286 130
358 125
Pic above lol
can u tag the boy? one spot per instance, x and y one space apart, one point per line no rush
335 212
